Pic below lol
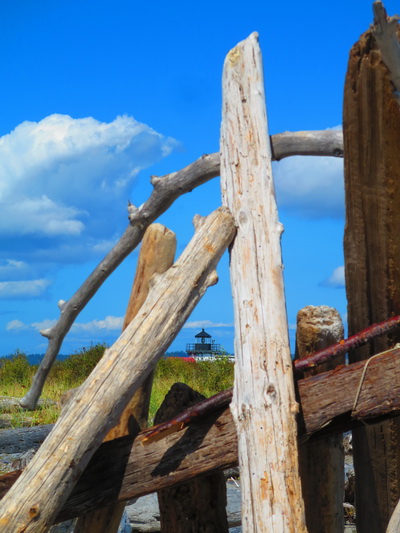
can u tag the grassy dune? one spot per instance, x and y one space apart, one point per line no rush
16 375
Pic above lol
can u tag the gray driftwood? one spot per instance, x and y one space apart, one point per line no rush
263 406
124 469
198 505
36 498
165 191
322 461
371 121
156 256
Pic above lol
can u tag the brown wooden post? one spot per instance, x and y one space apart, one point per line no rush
371 126
156 256
198 504
263 406
321 462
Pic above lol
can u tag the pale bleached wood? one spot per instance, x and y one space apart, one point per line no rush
35 499
322 461
264 406
166 190
385 31
156 256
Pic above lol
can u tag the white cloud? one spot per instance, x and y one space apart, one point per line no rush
336 280
310 186
199 324
66 181
109 323
21 290
10 269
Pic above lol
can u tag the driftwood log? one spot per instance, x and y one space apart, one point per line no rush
322 461
165 191
198 505
331 403
156 256
372 258
33 503
263 405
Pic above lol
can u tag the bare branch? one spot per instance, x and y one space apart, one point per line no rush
166 190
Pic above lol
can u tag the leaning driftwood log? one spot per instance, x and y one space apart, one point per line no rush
321 462
156 256
165 191
124 469
371 118
264 405
38 495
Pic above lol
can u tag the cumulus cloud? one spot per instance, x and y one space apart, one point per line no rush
109 323
336 279
65 181
199 324
310 186
22 290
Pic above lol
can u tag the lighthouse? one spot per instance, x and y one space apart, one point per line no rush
204 347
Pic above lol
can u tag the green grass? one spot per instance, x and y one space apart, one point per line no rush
208 378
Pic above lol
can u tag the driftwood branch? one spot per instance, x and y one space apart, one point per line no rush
263 405
166 190
124 469
384 30
38 495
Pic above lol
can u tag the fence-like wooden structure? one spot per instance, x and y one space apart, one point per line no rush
76 472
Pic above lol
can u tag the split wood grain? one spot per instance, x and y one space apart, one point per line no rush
264 405
35 499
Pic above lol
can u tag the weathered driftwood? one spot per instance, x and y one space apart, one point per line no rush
124 469
35 500
156 256
166 190
195 505
263 405
385 32
372 258
321 462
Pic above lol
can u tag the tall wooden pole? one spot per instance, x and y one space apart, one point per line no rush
371 127
322 461
156 256
263 406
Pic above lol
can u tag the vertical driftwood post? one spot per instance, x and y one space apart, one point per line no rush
263 406
34 501
197 505
156 256
322 461
371 127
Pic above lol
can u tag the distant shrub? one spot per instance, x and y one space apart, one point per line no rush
76 368
16 369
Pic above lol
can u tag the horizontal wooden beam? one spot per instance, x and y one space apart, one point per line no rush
125 469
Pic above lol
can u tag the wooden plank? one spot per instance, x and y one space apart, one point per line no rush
156 256
37 496
372 258
264 405
198 504
124 469
321 462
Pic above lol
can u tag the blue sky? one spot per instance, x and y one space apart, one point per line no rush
96 96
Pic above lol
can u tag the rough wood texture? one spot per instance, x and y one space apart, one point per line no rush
156 256
321 462
372 258
197 505
264 405
210 442
46 483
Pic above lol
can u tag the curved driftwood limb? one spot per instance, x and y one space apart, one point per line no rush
166 190
35 499
384 30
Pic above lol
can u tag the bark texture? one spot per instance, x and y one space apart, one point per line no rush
196 506
321 462
34 501
372 258
263 406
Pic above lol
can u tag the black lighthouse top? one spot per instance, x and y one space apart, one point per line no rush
204 345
